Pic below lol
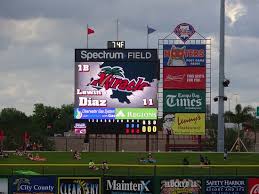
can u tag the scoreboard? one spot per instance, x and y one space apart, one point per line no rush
116 90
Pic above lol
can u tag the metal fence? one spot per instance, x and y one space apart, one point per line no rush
129 170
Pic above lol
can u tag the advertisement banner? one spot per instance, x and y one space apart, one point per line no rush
116 85
80 128
183 55
225 186
180 186
4 185
136 113
253 186
82 185
94 113
127 185
189 124
32 185
184 78
184 101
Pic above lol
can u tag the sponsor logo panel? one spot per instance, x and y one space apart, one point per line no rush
180 186
184 101
184 55
128 185
184 78
79 185
32 185
225 186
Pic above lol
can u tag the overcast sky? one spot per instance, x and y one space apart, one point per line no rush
38 38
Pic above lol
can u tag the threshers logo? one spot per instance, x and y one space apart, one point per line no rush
113 78
184 31
21 181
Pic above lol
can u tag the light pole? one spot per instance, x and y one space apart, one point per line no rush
220 138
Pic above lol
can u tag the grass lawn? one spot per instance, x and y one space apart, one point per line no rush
125 164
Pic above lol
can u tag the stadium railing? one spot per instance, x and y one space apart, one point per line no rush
130 170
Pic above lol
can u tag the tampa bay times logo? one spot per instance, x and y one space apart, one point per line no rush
20 181
142 187
114 78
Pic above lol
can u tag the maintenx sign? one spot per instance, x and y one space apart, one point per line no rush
184 101
127 185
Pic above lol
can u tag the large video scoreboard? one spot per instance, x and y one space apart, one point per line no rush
116 90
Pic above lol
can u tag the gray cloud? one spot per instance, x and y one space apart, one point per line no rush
38 38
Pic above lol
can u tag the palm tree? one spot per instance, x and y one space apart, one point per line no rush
240 116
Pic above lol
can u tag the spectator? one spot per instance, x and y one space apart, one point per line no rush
151 159
92 165
77 155
105 167
201 160
206 161
185 161
225 154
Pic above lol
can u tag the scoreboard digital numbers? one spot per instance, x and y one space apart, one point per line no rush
116 90
116 44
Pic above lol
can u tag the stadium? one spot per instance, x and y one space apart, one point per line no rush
141 120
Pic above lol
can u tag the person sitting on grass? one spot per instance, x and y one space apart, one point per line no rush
105 167
77 155
92 165
3 155
206 161
30 156
150 159
201 160
38 158
185 161
19 152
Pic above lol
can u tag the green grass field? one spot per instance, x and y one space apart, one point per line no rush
126 164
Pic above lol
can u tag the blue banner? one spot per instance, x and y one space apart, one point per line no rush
31 185
182 55
225 186
94 113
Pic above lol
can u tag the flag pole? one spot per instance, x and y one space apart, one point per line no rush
117 21
87 37
147 36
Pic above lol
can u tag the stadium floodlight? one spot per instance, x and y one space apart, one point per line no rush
226 82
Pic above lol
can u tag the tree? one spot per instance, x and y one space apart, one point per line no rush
14 123
241 116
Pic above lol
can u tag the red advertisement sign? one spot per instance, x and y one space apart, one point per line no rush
253 185
184 77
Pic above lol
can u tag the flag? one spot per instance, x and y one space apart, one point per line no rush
150 30
90 31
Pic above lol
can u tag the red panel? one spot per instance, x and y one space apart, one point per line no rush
184 77
253 185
